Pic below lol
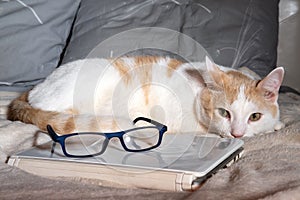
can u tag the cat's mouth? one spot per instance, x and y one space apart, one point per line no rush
227 135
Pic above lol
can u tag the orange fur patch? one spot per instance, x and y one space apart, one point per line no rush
72 111
123 69
258 97
69 126
230 80
173 65
21 110
196 75
145 65
145 60
207 102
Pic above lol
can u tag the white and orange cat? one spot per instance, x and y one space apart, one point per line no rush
201 97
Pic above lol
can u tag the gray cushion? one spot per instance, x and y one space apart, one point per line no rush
33 34
234 33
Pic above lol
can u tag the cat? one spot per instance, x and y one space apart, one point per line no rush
198 96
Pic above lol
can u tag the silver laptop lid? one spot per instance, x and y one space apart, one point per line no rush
179 153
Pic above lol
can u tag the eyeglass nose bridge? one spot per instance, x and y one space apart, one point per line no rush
118 135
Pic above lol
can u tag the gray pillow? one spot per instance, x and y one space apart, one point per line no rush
234 33
33 34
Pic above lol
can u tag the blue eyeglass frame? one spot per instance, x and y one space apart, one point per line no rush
61 138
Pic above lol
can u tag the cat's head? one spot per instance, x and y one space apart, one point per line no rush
235 105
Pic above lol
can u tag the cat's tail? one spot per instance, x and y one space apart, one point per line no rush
21 110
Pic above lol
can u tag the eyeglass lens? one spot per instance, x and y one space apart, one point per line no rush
84 144
141 139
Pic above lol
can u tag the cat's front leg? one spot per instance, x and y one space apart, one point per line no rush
279 125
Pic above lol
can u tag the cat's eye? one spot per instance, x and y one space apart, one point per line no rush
255 117
224 113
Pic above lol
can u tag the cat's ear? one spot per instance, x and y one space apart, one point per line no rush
271 83
213 75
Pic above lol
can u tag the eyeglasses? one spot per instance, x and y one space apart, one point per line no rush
88 144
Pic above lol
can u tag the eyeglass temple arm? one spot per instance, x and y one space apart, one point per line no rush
52 149
159 125
52 133
53 136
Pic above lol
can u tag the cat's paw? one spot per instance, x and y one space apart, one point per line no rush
279 126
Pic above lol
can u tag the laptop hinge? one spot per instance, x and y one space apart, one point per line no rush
184 182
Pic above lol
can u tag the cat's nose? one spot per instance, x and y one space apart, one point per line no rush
237 135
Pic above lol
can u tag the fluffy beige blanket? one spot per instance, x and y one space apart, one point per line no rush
268 169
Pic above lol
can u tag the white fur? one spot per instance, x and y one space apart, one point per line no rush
94 87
